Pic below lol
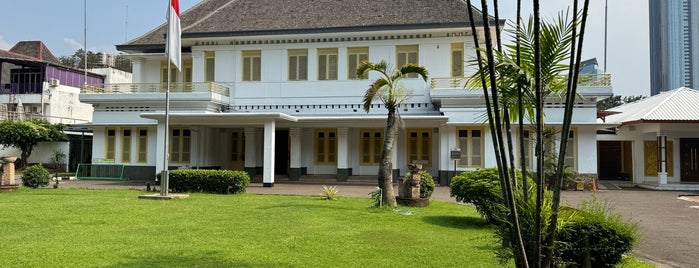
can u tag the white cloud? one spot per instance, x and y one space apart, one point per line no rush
4 44
72 43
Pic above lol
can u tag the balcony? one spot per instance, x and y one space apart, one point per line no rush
584 80
135 88
204 93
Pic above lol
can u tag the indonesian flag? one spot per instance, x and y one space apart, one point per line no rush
174 32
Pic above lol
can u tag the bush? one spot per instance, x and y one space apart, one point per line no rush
481 188
595 235
36 176
329 193
210 181
426 184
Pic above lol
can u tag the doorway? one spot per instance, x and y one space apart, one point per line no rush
689 159
236 149
614 160
281 152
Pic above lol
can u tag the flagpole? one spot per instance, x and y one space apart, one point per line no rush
164 176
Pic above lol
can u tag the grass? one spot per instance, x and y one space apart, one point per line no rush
113 228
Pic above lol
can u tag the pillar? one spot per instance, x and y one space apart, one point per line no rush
268 168
295 168
343 170
197 66
662 159
250 152
8 170
160 147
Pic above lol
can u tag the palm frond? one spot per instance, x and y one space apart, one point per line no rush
373 92
412 68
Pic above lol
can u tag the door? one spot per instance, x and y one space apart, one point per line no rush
236 149
281 152
689 160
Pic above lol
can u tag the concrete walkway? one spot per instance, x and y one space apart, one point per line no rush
669 224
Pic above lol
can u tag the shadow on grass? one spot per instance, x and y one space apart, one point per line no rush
211 259
457 222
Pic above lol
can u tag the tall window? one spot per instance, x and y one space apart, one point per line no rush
327 64
180 145
237 145
326 146
163 73
405 55
298 64
187 71
142 154
110 144
457 59
471 143
252 65
355 57
420 146
371 145
572 150
126 145
210 66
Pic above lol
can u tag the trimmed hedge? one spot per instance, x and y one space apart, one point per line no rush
481 188
426 184
209 181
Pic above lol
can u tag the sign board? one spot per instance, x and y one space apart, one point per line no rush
455 154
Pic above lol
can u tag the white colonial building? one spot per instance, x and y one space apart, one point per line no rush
269 86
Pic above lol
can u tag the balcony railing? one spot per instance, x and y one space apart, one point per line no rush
135 88
584 80
13 115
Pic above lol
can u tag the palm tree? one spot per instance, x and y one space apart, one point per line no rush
391 92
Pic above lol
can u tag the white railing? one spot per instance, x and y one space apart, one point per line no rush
135 88
584 80
12 115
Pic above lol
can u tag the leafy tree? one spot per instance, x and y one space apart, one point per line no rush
617 100
25 135
77 61
391 92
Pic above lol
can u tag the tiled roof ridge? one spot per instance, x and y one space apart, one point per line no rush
20 54
208 15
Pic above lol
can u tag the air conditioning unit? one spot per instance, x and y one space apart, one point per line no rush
54 82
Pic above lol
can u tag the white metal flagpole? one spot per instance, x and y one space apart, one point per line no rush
174 32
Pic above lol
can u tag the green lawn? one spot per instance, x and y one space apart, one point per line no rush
113 228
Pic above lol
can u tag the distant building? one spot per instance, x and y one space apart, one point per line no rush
674 44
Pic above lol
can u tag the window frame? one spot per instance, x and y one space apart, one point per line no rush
330 70
328 157
141 142
370 143
361 54
110 141
420 151
251 67
456 47
297 54
468 152
126 143
407 50
210 70
183 143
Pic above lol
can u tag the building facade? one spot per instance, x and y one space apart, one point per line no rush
674 44
270 87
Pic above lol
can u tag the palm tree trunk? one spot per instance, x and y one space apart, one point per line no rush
386 166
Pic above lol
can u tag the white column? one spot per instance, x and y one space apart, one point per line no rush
342 148
295 140
160 147
250 150
137 69
225 71
662 158
342 63
312 64
196 148
268 169
197 66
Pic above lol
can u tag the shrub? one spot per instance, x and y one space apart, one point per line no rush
595 236
426 184
375 197
36 176
481 188
210 181
329 193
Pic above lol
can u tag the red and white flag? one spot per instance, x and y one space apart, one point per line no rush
174 32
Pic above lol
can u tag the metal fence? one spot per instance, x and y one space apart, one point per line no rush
100 172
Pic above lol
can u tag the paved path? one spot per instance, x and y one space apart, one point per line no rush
669 225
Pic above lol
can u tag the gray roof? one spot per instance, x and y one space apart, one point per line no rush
223 18
29 51
675 106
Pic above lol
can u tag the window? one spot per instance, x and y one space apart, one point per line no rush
298 64
187 71
252 65
110 144
327 64
405 55
650 158
210 66
142 156
237 145
371 146
326 146
470 141
420 146
355 57
163 73
126 145
572 150
457 59
179 145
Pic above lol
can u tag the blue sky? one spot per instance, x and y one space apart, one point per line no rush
59 24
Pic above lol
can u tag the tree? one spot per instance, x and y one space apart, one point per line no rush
25 135
77 61
617 100
391 92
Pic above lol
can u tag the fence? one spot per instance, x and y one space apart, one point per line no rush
100 172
